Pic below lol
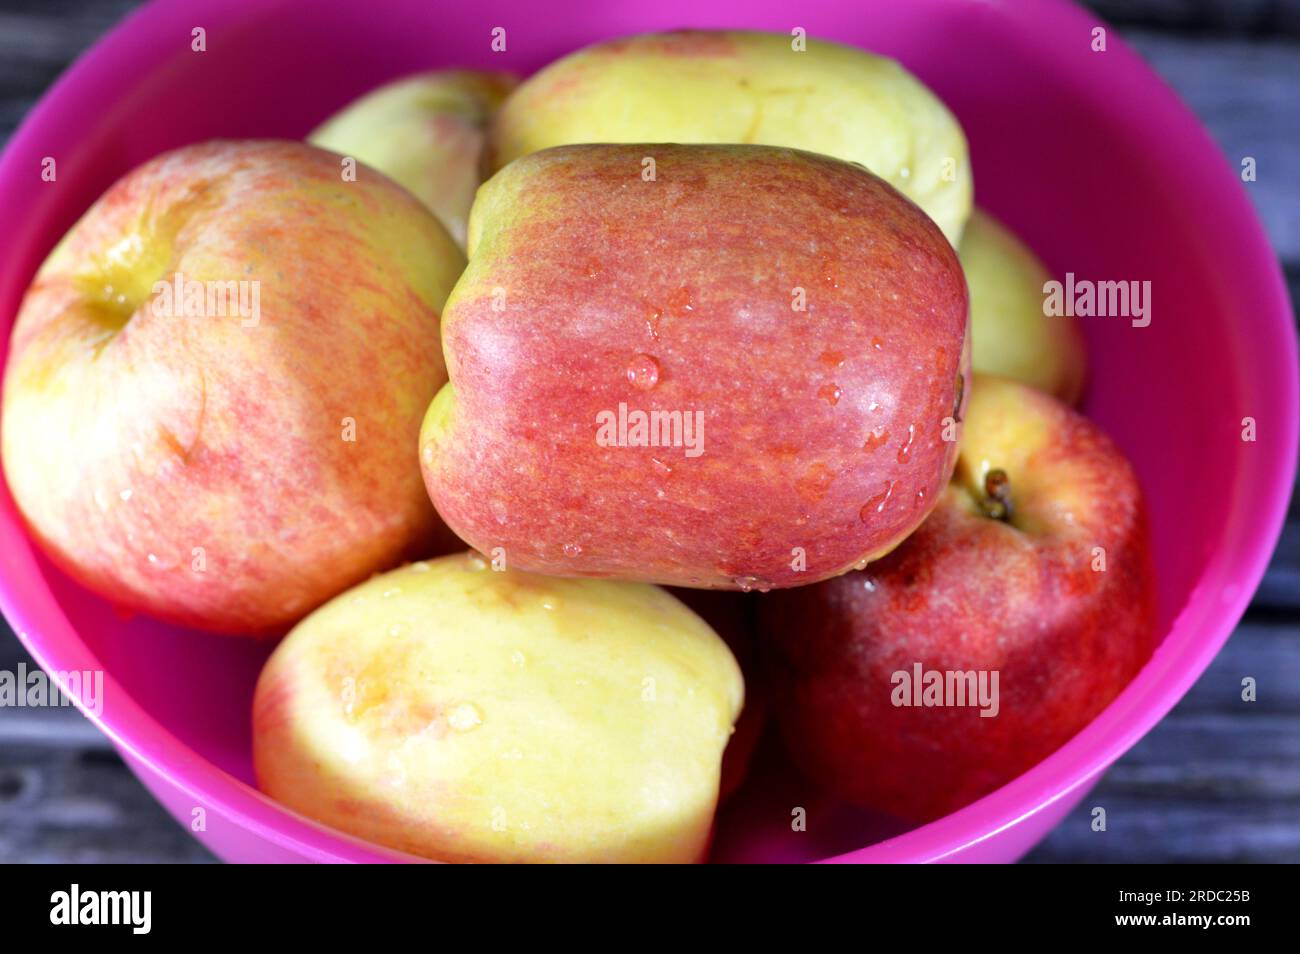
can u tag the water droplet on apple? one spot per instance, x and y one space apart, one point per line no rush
905 451
660 466
681 301
747 584
572 550
877 344
832 359
548 603
474 561
652 316
875 439
643 372
876 504
869 584
428 454
465 717
830 272
830 393
126 494
162 563
420 566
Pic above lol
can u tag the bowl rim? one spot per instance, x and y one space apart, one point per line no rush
1204 624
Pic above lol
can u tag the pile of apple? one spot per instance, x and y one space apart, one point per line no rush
716 330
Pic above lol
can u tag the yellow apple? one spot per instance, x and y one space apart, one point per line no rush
427 132
1010 334
463 713
740 87
216 381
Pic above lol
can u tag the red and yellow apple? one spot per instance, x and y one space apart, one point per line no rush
466 714
1011 336
990 637
709 366
694 86
426 132
216 381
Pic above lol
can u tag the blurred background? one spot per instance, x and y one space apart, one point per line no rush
1217 780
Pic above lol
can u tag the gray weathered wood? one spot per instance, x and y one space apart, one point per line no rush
1212 17
1217 780
1245 93
60 805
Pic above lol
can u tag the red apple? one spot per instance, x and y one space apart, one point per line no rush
1032 576
796 328
216 381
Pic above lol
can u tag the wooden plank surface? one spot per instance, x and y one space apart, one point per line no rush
1218 780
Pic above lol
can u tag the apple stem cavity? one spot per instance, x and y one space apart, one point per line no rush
997 495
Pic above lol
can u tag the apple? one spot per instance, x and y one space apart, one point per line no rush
466 714
730 615
215 385
695 86
1027 595
727 367
1010 334
427 132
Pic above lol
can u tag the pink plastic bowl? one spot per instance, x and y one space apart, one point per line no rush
1088 155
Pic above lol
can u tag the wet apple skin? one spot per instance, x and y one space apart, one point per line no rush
969 593
824 428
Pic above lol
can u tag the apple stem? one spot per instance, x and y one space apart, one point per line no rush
997 495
